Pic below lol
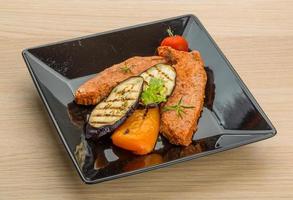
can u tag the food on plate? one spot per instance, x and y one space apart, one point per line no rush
97 88
113 110
189 90
139 132
159 83
175 41
144 96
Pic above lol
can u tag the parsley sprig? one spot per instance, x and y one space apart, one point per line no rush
179 108
155 92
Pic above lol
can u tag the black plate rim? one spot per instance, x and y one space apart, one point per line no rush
267 134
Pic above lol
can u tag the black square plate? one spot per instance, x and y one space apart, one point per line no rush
231 116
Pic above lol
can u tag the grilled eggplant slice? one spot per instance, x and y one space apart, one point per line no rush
164 72
113 111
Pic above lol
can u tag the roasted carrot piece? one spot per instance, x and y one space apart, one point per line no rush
139 132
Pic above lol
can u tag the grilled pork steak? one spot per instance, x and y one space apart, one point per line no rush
99 87
178 127
177 123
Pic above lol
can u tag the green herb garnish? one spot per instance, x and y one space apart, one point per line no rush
125 69
169 31
155 92
179 108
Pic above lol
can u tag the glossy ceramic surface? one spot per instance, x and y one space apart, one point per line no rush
231 116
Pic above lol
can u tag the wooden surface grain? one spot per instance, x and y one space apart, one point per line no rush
256 36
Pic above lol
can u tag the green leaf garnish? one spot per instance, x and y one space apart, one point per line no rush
169 31
179 108
155 92
125 69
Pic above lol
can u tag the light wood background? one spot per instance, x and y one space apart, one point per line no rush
256 36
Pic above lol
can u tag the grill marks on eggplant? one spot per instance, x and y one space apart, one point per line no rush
124 98
164 72
149 74
113 110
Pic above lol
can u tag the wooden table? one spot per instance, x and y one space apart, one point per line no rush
256 36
